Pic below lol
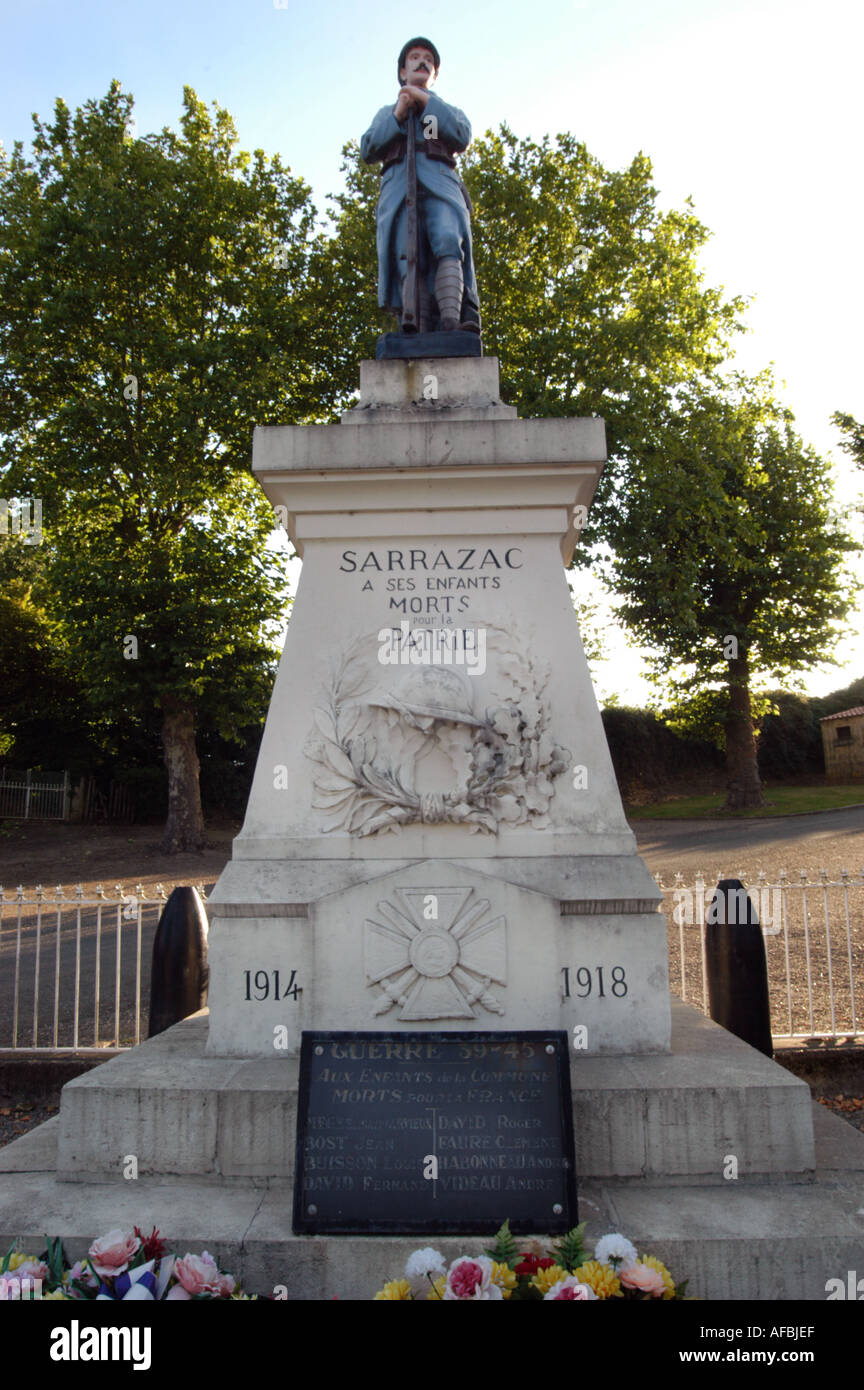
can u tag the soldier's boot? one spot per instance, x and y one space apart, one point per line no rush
427 308
448 292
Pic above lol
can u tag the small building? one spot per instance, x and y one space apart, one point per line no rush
843 742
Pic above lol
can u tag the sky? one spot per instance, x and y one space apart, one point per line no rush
750 107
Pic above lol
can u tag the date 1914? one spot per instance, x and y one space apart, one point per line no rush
265 984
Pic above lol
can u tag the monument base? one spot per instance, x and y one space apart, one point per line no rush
400 346
214 1140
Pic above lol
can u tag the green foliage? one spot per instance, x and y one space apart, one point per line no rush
608 336
343 284
569 1251
724 530
577 337
42 708
193 606
853 444
790 740
649 755
701 712
728 557
153 312
161 296
54 1256
505 1250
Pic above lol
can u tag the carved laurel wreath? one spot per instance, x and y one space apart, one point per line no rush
513 759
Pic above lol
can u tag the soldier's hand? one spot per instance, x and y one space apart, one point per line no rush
404 104
420 95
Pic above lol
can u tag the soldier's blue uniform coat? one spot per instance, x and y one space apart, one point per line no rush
439 191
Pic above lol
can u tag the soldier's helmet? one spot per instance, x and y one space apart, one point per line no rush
417 43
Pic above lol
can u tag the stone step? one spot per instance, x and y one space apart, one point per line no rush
661 1117
760 1242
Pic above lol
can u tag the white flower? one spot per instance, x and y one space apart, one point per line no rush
424 1262
616 1251
570 1289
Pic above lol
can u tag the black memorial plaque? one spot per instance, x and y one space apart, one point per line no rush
400 1133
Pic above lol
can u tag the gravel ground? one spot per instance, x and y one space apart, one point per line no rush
17 1115
815 934
849 1108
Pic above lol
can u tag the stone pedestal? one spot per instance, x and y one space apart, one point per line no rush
215 1144
441 844
434 835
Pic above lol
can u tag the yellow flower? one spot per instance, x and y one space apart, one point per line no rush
668 1281
545 1278
601 1278
399 1290
16 1260
503 1276
57 1294
436 1293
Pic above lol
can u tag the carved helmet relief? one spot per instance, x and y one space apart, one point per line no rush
419 746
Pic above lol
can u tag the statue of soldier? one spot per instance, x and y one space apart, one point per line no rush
445 272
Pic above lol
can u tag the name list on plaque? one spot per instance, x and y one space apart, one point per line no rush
437 1132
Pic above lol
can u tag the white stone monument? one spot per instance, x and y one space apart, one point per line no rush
434 836
437 843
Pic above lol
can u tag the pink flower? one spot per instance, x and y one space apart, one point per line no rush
569 1290
110 1255
227 1285
644 1279
199 1274
10 1288
31 1269
470 1278
177 1292
82 1273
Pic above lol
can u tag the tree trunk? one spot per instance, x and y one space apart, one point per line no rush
184 828
743 784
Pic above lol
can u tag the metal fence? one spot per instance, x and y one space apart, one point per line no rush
34 795
814 946
75 971
72 977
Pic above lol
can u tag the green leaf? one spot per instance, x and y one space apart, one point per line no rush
569 1251
505 1251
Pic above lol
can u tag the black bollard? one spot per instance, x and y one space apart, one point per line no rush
179 975
736 968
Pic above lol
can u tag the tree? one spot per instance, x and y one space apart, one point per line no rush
154 309
853 444
728 557
42 708
591 297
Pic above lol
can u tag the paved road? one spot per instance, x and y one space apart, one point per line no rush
832 840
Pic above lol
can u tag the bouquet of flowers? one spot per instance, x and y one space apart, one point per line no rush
118 1266
558 1273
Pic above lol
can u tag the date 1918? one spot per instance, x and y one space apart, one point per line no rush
259 986
588 982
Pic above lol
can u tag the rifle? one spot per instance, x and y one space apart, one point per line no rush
411 286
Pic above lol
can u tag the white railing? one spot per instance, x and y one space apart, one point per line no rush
77 963
814 947
34 795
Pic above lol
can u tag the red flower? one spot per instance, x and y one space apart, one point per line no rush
529 1264
152 1246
